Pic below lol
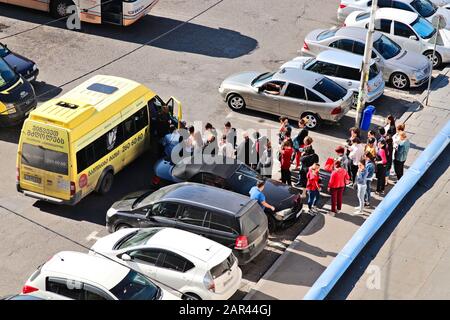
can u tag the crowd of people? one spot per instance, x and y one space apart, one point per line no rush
357 163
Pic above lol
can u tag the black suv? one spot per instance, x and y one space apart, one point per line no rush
223 216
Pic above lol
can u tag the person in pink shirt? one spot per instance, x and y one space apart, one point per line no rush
381 161
313 188
338 180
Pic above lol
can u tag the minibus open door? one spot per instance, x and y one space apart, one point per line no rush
175 110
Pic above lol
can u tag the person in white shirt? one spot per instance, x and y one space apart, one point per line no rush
356 155
225 148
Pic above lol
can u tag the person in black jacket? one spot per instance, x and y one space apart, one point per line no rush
245 151
308 158
299 141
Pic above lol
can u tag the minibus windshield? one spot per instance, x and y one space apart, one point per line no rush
7 75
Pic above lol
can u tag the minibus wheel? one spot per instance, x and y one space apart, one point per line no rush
106 183
58 8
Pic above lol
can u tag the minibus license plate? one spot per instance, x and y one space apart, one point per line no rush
32 178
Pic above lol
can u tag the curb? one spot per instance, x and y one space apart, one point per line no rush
279 261
419 103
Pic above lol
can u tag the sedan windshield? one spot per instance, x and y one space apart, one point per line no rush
262 77
424 7
386 47
3 51
7 75
135 287
330 89
150 197
424 28
137 238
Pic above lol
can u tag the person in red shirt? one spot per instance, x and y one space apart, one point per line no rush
286 155
313 187
338 180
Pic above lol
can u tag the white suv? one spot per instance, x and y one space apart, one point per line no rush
409 30
80 276
196 266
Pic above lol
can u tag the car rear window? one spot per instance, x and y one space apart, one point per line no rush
45 159
330 89
135 287
251 220
223 267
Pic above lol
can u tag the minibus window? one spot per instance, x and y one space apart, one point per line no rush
45 159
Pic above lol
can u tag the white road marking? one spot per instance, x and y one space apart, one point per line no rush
93 236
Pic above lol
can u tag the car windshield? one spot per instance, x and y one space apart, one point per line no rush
244 179
137 238
327 34
135 287
424 7
386 47
148 199
423 28
3 51
330 89
262 78
7 74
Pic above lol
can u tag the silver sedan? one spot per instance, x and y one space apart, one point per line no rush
291 92
401 68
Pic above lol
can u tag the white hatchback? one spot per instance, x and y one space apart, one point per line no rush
193 265
409 30
81 276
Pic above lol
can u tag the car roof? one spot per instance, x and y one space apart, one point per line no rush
186 169
404 16
188 243
301 77
342 58
356 33
80 265
207 196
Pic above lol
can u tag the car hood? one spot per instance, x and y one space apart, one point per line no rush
410 60
280 195
243 78
126 203
21 63
21 92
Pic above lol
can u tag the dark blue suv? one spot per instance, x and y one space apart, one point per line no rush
24 66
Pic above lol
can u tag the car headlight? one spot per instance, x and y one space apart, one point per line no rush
34 67
111 212
10 108
281 215
419 74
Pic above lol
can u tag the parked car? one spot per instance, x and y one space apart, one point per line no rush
401 68
237 177
343 68
299 94
27 68
196 266
228 218
37 295
425 8
81 276
409 30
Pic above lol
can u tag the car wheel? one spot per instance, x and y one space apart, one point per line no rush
271 224
236 102
399 81
313 120
106 183
58 8
190 296
436 60
121 226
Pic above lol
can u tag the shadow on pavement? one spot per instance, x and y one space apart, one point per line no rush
192 38
45 91
348 281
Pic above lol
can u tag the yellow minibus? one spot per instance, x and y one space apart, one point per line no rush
73 145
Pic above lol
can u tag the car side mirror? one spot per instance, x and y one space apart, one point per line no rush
260 89
126 257
413 38
377 59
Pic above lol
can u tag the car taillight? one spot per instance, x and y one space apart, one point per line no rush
156 180
305 46
73 188
344 24
17 174
28 289
342 6
241 243
208 281
337 110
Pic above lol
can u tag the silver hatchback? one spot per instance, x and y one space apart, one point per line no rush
401 68
291 92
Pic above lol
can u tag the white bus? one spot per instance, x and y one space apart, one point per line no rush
119 12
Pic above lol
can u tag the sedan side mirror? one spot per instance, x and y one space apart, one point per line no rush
260 89
413 38
125 257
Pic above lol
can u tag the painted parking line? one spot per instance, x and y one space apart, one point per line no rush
92 236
